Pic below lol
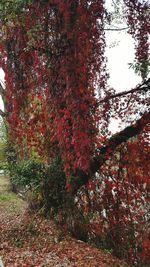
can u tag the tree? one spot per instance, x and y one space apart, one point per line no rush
56 98
50 38
3 142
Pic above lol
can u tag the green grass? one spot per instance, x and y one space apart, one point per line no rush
5 194
8 197
4 183
9 201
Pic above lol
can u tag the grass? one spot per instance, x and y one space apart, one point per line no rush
8 197
9 201
4 183
5 194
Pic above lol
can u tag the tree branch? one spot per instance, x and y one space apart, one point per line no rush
145 86
119 138
2 92
106 151
116 29
2 113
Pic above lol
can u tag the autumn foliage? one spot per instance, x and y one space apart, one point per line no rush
58 103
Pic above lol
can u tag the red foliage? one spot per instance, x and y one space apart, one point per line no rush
32 67
54 62
116 204
139 27
64 37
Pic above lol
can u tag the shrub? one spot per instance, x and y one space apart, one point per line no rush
45 183
29 173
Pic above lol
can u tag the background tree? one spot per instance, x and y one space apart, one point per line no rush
3 144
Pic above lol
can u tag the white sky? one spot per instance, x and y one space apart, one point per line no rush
121 77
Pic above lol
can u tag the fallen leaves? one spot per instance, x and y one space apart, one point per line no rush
34 241
29 240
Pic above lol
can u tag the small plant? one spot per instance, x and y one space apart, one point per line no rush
29 173
46 184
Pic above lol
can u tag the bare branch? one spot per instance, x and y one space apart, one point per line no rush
2 113
2 92
116 29
145 86
118 139
1 89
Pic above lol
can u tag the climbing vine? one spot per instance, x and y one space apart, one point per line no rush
58 101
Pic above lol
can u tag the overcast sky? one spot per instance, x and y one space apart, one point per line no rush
121 77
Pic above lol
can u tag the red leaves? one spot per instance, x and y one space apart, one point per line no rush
55 67
59 56
139 25
146 250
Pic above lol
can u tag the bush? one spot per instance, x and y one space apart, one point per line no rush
46 183
29 173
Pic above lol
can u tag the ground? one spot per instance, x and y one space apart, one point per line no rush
29 240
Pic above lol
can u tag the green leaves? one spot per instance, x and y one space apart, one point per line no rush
9 9
29 172
141 67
